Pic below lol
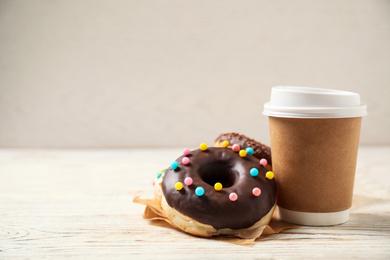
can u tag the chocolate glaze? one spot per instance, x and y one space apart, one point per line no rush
223 165
260 150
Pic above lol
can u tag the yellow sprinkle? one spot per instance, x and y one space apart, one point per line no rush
203 146
178 185
218 186
225 144
269 175
242 153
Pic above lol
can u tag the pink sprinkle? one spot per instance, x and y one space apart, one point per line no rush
188 181
185 160
186 151
256 191
236 147
233 196
263 162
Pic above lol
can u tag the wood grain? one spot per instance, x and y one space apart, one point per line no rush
78 203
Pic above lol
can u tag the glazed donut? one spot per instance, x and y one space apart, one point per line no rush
217 191
260 150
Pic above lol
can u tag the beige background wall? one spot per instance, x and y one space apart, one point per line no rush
176 73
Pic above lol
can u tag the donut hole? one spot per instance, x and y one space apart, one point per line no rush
218 171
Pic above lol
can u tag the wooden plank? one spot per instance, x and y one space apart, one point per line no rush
78 203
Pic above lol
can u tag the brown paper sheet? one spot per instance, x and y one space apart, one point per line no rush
153 211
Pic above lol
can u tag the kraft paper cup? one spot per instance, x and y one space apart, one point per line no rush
314 141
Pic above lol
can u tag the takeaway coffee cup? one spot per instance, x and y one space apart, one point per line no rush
314 140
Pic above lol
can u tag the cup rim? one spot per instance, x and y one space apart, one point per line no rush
314 112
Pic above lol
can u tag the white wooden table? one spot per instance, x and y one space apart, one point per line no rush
78 203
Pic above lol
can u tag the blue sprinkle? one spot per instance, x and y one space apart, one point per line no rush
250 150
254 172
159 175
199 191
174 165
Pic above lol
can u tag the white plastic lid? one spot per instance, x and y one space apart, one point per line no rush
304 102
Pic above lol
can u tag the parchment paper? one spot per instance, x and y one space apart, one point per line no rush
153 211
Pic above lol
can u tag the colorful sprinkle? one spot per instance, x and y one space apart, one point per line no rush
254 172
263 162
225 144
203 146
178 185
174 165
269 175
188 181
185 160
256 191
186 151
218 186
250 150
233 196
159 175
199 191
236 147
242 153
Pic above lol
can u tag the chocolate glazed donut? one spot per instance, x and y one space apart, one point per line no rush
260 150
219 187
